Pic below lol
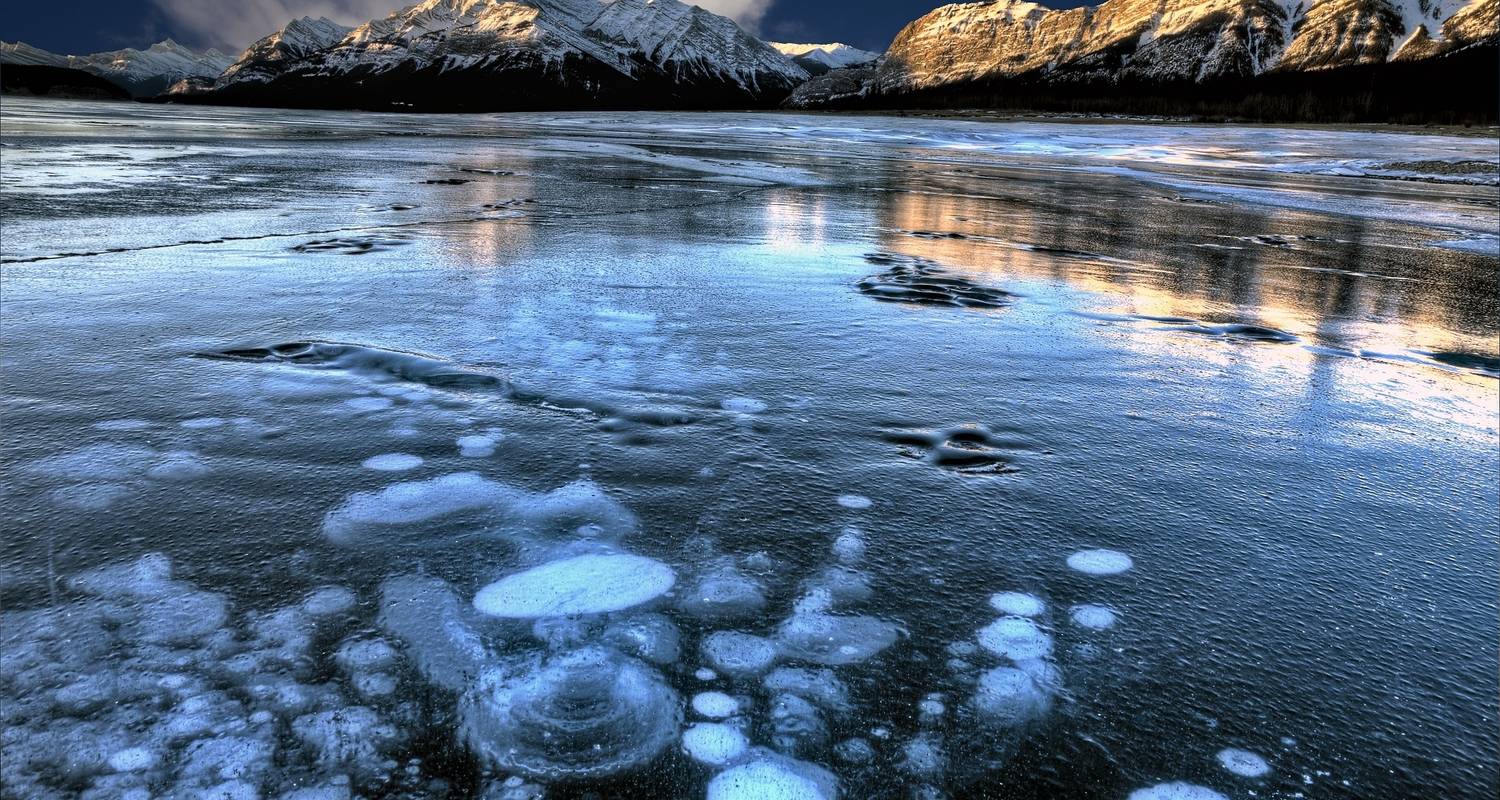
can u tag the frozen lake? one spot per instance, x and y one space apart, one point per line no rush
744 456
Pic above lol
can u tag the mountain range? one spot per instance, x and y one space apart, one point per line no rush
1013 52
1288 59
142 73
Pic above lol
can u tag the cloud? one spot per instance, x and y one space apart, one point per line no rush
234 24
748 13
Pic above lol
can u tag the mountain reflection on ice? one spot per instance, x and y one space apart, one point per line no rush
584 455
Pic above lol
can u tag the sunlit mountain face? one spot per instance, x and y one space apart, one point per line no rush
1224 58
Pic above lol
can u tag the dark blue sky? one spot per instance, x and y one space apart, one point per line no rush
85 26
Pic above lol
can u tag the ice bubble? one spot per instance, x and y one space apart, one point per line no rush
203 423
715 705
1018 604
854 751
818 685
132 759
361 655
89 496
744 405
723 595
1176 791
181 618
426 615
796 725
834 640
1093 617
1010 697
363 404
652 637
416 501
328 600
768 776
714 743
932 707
580 715
850 546
227 758
121 425
705 674
476 446
739 654
842 585
923 756
1100 562
1243 763
178 465
856 502
318 793
392 462
588 584
1016 638
508 510
354 737
374 685
96 462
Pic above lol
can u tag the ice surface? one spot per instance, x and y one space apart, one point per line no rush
1016 638
1094 617
584 714
1176 791
1018 604
1243 763
713 743
589 584
1100 562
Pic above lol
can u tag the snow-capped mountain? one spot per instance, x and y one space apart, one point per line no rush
1159 42
503 54
820 58
271 55
141 72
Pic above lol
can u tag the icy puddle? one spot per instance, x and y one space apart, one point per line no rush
744 457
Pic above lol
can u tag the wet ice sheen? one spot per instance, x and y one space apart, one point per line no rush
267 661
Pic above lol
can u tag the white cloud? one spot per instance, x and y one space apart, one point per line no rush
748 13
234 24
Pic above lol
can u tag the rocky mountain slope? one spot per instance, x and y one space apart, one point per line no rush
514 54
143 73
1155 43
